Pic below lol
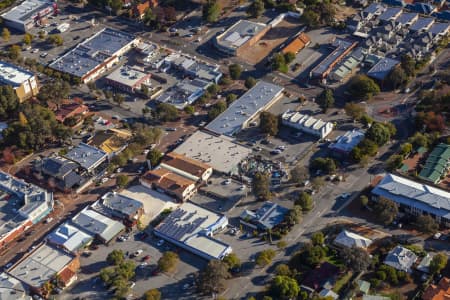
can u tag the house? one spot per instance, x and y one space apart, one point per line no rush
441 291
170 183
12 289
100 226
69 237
297 44
267 217
344 144
390 14
90 158
138 10
401 259
323 276
414 198
64 173
75 110
42 265
349 239
421 8
382 68
437 164
187 167
120 207
424 265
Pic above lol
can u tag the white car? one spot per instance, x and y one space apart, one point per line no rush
227 182
138 252
35 50
132 284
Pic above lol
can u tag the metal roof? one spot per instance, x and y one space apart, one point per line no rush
413 194
350 239
267 216
121 204
401 259
239 33
421 24
70 237
348 141
26 10
245 108
439 28
389 13
87 156
382 68
13 75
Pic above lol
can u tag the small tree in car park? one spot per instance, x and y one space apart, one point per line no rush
168 262
265 257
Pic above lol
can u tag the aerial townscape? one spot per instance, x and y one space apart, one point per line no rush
224 149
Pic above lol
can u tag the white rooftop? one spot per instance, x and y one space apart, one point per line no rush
127 75
219 152
349 239
40 265
86 155
239 33
26 10
70 237
401 259
13 75
11 288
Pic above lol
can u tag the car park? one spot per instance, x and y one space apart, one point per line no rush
137 253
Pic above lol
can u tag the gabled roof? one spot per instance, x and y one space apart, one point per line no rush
350 239
70 237
267 216
168 181
438 292
401 259
421 8
185 164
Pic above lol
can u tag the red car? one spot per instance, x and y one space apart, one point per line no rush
146 258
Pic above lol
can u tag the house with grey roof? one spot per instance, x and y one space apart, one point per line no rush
390 14
401 259
119 206
349 239
414 198
268 216
88 157
64 172
382 68
373 10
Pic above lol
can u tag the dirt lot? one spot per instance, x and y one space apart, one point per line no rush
271 40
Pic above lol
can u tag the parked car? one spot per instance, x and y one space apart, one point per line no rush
160 243
138 252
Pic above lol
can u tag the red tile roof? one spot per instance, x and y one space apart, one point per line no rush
438 292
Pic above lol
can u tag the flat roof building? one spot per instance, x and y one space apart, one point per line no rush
222 154
414 197
12 289
98 225
344 144
128 79
94 56
28 14
170 183
22 81
192 228
307 124
187 167
42 264
87 156
184 92
245 109
382 68
239 34
69 238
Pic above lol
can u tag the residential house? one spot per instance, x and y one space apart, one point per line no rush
373 10
267 217
323 276
187 167
441 291
401 259
344 144
71 114
138 9
90 158
111 141
421 8
349 240
170 183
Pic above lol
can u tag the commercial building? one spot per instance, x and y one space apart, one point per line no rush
22 205
299 42
306 124
344 144
100 226
121 207
69 237
88 157
437 164
12 289
414 198
382 68
169 183
243 34
222 154
23 82
192 228
192 67
128 79
184 93
94 56
349 240
245 109
28 14
267 217
187 167
42 264
401 259
341 49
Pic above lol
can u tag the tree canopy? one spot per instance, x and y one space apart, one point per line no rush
268 123
386 210
325 165
213 278
426 224
438 263
154 157
379 133
355 258
235 71
261 186
168 262
326 100
166 112
232 260
305 201
265 257
284 287
362 87
152 294
211 10
255 9
115 257
8 101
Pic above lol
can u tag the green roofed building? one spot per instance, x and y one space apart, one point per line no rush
437 164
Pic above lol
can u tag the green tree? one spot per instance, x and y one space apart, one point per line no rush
268 123
260 186
283 270
406 149
168 262
213 89
394 162
166 112
255 9
284 287
119 98
305 201
378 133
211 11
265 257
144 135
115 5
235 71
55 40
215 110
364 200
231 98
27 38
6 34
250 82
317 238
213 278
356 258
289 57
362 87
354 111
189 109
438 263
397 78
8 101
115 257
55 91
122 181
386 210
14 52
299 174
153 294
325 165
294 216
232 260
426 224
278 63
154 157
326 100
408 64
310 17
